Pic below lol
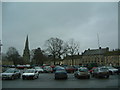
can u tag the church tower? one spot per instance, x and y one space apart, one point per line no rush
26 52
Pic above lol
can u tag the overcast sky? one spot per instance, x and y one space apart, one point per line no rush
77 20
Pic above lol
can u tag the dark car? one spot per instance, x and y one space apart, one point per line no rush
61 74
101 72
82 72
30 74
11 73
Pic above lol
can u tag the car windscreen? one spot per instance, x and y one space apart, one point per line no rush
60 71
37 67
111 68
29 71
69 67
83 70
104 69
9 71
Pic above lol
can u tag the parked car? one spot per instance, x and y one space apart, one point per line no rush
20 66
70 69
61 74
101 72
91 70
82 72
11 73
39 69
30 74
76 67
58 67
111 69
47 69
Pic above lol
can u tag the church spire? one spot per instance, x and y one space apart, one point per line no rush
26 53
27 43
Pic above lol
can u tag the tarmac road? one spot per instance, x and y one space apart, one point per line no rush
46 80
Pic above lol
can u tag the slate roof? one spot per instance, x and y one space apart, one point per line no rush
74 56
99 51
117 52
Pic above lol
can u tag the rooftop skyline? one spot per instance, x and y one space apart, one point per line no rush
81 21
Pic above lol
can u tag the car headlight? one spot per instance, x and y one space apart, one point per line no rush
79 73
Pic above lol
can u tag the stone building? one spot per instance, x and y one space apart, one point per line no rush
112 58
94 56
101 56
77 59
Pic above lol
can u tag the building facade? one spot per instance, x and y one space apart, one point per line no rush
94 56
101 56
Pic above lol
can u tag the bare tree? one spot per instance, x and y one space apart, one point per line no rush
72 48
55 48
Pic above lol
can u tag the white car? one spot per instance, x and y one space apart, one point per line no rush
39 69
30 74
111 69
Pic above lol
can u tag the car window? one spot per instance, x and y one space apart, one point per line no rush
29 71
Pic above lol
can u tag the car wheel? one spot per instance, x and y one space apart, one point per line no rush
12 77
111 73
23 78
75 76
107 76
88 77
33 78
95 76
36 77
78 77
92 75
19 76
55 78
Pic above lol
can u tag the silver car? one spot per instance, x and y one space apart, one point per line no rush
82 72
11 73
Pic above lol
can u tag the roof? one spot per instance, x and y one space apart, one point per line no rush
99 51
74 56
117 52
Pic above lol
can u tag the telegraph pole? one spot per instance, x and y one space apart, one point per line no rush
0 47
98 40
98 46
